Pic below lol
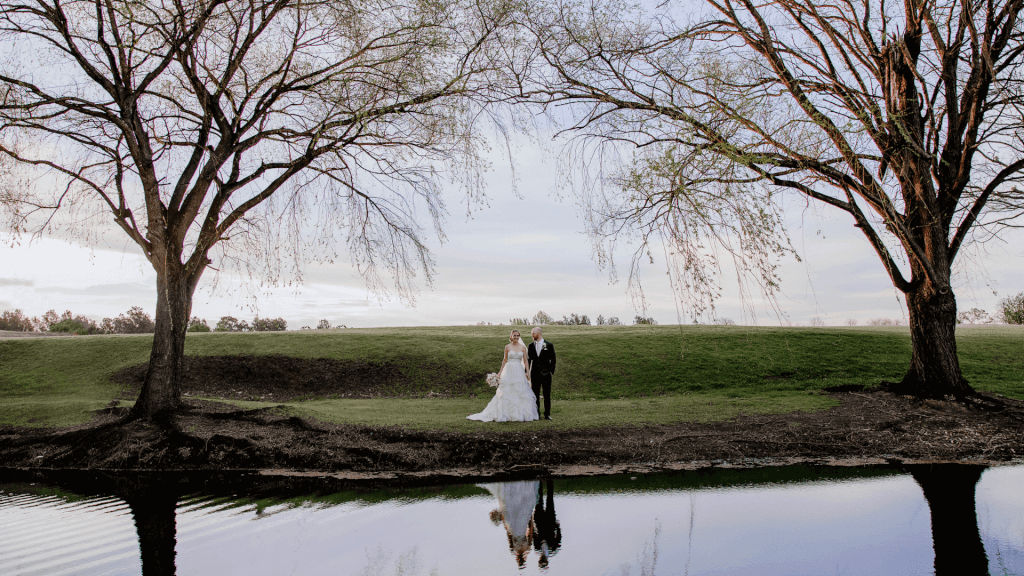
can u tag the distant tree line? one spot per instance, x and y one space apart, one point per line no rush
1012 309
715 321
1009 310
542 318
135 321
324 325
232 324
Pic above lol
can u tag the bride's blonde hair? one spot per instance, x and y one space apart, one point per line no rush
514 331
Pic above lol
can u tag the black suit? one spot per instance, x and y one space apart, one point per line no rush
546 527
542 366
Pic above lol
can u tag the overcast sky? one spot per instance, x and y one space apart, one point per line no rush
513 258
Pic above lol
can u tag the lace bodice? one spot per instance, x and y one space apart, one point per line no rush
515 355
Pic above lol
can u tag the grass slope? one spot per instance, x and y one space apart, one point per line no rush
668 369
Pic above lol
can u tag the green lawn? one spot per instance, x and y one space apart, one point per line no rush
621 374
450 413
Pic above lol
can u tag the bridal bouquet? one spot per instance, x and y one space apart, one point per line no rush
492 380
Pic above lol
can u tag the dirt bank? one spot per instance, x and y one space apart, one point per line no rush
865 426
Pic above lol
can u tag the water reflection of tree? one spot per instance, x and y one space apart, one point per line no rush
407 564
153 502
949 490
648 556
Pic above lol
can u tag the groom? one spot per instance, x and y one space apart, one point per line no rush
542 366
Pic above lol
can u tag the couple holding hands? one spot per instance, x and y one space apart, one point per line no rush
525 372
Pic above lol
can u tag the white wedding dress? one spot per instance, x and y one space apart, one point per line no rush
514 400
516 502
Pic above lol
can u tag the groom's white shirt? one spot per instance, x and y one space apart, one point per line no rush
539 344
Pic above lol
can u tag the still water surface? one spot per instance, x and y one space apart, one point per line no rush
794 520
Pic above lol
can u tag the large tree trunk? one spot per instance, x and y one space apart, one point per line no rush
161 391
934 367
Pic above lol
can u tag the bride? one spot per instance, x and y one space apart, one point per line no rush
514 401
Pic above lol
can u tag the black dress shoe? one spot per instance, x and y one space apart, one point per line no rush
546 417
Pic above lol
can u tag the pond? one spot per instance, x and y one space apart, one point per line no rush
813 520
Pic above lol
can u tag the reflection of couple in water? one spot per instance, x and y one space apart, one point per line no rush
528 517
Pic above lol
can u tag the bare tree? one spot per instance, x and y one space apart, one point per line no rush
216 131
12 194
907 116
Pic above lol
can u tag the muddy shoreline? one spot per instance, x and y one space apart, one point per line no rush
866 428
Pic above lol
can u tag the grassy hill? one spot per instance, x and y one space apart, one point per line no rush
59 381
